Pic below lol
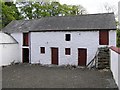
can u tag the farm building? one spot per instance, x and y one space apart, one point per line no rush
63 40
8 49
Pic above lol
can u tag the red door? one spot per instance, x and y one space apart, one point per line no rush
54 55
103 37
82 56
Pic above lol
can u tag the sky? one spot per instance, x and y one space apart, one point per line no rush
92 6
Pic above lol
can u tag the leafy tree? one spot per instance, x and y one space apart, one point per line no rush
118 35
33 10
118 38
9 13
0 16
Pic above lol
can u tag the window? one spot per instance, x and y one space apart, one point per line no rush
67 37
67 51
25 39
42 50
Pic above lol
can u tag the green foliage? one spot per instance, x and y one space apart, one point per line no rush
0 15
118 34
118 38
34 10
9 13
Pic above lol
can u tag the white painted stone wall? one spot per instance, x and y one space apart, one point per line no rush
79 39
5 38
112 38
19 38
0 55
119 54
8 49
115 66
9 54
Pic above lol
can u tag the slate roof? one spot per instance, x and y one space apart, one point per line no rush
64 23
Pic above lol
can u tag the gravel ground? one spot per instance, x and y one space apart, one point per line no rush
37 76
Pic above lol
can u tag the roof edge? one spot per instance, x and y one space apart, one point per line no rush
49 30
116 49
63 16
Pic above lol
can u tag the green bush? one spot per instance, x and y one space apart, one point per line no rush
118 38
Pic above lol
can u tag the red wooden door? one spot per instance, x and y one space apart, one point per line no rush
82 56
54 55
103 37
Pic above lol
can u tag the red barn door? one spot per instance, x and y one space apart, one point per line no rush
82 56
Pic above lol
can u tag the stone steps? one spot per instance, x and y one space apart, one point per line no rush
103 58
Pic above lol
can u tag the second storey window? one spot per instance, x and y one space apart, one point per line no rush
25 39
67 37
42 50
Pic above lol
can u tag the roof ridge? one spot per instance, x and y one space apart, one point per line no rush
74 15
63 16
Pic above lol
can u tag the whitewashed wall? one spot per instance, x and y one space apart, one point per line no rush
19 38
0 55
115 66
9 53
119 71
5 38
8 49
79 39
112 38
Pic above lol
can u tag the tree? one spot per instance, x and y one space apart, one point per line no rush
9 13
118 35
118 38
34 10
0 16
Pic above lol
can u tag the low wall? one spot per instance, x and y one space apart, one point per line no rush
9 53
115 63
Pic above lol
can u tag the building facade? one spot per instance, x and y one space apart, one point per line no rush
72 40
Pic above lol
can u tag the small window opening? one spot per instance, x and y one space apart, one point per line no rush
42 50
67 37
67 51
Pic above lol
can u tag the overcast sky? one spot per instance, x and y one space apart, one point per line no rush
92 6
